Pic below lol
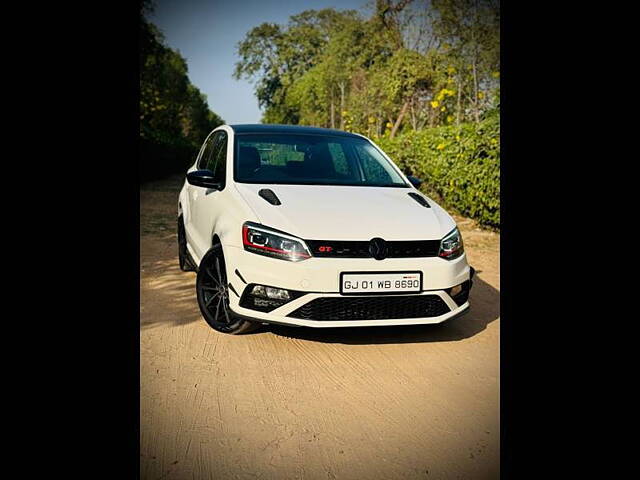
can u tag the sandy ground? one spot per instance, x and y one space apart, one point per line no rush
284 403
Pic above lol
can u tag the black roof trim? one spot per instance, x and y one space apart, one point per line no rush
291 129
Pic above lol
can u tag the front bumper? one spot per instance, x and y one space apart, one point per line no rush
319 278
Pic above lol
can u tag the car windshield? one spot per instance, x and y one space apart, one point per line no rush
312 160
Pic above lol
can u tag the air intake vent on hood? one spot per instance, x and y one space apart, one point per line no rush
269 196
420 199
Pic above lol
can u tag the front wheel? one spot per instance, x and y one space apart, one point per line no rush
212 291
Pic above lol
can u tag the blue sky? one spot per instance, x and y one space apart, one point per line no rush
206 33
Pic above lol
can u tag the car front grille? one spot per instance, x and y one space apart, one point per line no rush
360 249
372 308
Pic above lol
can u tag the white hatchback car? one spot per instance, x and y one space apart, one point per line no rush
314 227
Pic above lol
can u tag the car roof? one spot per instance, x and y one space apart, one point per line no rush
291 129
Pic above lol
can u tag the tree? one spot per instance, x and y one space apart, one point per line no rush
275 57
409 66
471 30
174 115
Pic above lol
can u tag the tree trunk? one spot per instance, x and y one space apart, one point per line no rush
476 111
333 113
431 114
341 85
459 101
399 119
412 114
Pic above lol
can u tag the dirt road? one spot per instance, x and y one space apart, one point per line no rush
284 403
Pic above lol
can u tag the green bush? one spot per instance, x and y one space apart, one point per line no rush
460 166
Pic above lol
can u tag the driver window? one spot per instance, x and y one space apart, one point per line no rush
206 152
218 161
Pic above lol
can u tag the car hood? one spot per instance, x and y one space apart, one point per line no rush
321 212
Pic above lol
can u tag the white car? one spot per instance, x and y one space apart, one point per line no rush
317 228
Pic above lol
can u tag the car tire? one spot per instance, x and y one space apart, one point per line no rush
184 259
212 291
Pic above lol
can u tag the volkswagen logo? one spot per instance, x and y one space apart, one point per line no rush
378 248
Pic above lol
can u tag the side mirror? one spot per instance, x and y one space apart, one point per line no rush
416 182
202 178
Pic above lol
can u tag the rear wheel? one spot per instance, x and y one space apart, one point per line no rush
212 291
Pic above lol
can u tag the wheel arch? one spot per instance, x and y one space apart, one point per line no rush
215 240
218 239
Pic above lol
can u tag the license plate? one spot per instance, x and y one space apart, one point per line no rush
383 282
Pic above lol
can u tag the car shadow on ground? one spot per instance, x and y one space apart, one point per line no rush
485 308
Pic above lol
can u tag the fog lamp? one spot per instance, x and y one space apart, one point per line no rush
265 299
456 290
270 292
277 293
259 291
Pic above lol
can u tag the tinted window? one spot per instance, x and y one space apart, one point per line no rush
218 161
311 159
206 152
373 168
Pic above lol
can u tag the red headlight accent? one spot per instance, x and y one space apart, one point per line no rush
248 243
448 253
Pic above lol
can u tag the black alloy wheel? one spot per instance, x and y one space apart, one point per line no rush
212 291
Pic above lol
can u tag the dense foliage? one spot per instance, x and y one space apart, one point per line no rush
174 115
459 165
414 64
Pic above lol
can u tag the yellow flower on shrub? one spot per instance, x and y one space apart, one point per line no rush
372 120
440 147
443 109
435 104
445 92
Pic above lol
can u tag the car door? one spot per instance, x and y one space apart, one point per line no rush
193 192
204 204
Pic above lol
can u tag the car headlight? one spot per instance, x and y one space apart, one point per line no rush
451 245
265 241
